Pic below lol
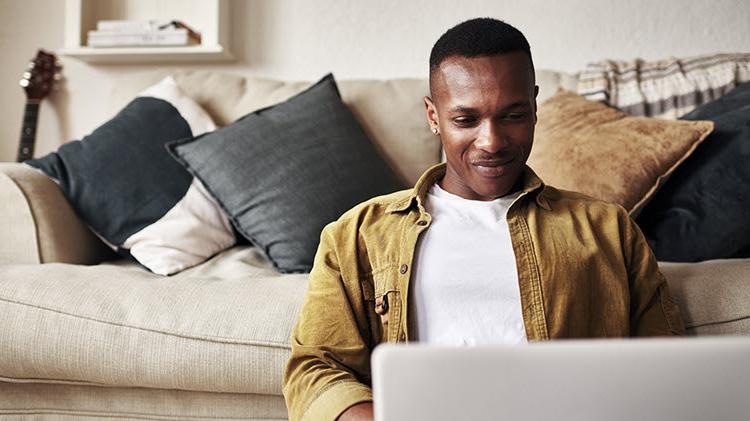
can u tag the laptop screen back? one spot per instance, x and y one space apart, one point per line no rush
686 379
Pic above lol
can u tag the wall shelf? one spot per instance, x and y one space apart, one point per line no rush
209 17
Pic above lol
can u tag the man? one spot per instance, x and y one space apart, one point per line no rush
479 252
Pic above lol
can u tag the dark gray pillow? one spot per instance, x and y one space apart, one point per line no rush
701 212
282 173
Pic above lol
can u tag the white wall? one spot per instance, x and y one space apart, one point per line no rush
303 39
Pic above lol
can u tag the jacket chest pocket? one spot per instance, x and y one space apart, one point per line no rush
383 300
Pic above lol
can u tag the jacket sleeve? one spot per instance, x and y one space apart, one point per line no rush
653 310
330 361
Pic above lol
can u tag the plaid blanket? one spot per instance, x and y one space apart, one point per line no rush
666 88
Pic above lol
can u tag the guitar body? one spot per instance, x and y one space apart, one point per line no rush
37 83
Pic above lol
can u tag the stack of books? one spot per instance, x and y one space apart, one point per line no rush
141 33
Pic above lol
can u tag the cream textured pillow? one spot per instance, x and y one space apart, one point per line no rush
588 147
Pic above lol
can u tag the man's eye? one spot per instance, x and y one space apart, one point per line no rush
515 116
464 121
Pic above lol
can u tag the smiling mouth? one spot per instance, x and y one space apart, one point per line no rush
493 168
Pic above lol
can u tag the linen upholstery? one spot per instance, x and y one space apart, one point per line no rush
550 82
37 223
593 149
713 295
180 349
24 401
222 326
16 222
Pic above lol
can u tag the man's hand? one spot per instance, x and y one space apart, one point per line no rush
358 412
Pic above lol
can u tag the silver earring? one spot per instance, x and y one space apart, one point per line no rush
434 130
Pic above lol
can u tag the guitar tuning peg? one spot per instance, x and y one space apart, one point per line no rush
24 83
31 65
58 65
57 77
27 75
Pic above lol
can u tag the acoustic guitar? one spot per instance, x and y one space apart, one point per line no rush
43 72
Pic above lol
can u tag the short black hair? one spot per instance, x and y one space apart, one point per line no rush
479 37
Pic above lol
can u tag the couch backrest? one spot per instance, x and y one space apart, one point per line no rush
391 111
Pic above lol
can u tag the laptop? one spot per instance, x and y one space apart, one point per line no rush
685 379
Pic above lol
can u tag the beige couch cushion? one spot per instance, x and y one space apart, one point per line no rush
713 295
223 326
549 82
74 402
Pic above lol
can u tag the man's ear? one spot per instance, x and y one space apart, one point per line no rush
536 95
432 117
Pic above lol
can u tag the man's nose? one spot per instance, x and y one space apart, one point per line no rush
491 138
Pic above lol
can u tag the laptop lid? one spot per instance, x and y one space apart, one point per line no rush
686 379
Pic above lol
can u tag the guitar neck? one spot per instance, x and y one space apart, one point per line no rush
28 131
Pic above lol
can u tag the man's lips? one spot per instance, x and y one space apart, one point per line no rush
492 167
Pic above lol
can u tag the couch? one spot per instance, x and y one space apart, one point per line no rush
84 334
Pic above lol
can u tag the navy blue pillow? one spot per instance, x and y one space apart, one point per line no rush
282 173
703 211
122 181
101 174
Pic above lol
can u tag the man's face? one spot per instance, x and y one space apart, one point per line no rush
485 111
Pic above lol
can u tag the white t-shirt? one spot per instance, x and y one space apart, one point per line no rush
464 289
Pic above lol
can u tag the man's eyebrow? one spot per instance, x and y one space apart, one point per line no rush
461 109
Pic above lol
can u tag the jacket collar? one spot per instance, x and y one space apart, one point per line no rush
531 183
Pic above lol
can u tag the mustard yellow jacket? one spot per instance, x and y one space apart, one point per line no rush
584 270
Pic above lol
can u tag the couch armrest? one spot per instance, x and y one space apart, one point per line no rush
38 225
714 295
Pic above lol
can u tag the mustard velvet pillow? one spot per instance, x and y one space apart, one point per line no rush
596 150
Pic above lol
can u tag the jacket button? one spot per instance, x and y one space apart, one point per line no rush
423 223
403 269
